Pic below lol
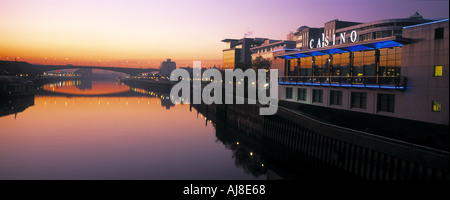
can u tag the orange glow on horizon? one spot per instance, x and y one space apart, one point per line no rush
148 32
98 33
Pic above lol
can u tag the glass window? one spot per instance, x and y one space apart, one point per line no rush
364 63
370 68
438 33
398 60
321 65
301 94
229 59
386 33
436 106
438 70
345 64
335 97
386 102
288 93
335 68
358 64
306 66
293 68
390 61
318 96
336 64
359 100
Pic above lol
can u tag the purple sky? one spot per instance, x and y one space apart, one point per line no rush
148 31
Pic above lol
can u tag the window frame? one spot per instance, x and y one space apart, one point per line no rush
362 95
439 33
320 96
290 96
304 94
433 106
339 94
441 70
389 97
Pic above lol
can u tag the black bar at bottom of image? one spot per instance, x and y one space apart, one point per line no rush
236 189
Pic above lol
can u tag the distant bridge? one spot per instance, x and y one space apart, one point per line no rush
130 71
27 68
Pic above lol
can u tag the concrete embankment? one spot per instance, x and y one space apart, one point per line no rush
321 144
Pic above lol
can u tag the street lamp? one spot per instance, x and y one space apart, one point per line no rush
15 65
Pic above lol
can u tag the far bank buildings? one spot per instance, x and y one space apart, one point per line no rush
390 67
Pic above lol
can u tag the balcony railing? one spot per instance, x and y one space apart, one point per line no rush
382 82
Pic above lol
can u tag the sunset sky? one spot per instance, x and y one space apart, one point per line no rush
145 32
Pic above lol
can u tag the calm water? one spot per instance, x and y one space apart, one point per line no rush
105 130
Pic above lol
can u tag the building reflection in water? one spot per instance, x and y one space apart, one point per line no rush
84 85
260 157
135 110
118 137
164 97
81 88
263 147
100 90
245 151
16 105
243 154
292 151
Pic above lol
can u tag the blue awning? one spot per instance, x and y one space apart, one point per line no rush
386 44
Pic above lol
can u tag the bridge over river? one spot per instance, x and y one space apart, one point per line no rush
33 69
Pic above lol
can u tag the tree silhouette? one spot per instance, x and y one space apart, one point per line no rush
261 63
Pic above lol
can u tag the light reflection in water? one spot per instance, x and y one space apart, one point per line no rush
86 87
132 137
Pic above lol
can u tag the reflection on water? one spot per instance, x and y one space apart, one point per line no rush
128 135
114 131
164 97
9 106
85 87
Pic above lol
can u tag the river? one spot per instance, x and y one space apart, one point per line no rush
107 130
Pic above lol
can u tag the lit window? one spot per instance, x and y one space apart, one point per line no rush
438 70
436 106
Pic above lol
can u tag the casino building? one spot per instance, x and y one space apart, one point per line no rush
395 68
237 53
266 49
